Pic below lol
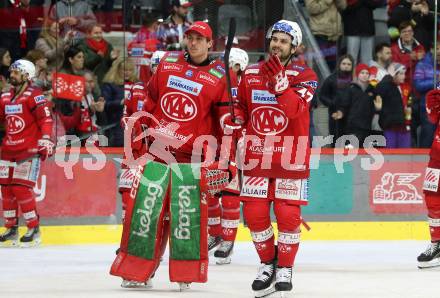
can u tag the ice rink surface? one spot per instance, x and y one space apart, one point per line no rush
323 269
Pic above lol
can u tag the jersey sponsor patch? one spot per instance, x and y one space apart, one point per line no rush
207 78
291 189
268 120
189 73
216 73
234 92
292 72
137 52
312 84
140 105
255 187
171 67
254 80
184 85
221 69
4 172
178 106
431 180
13 109
263 97
171 59
252 71
39 99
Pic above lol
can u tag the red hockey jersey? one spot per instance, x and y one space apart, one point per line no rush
277 138
189 100
27 118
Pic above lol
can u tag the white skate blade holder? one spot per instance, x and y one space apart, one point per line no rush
130 284
9 243
184 286
223 261
431 264
33 243
271 292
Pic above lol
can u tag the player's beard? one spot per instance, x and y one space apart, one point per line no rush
14 82
281 54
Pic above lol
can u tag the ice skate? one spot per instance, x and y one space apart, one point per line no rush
31 238
184 286
224 252
283 281
9 238
213 242
431 257
263 284
131 284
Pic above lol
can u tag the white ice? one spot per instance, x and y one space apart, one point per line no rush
323 269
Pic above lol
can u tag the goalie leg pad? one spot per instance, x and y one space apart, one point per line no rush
189 220
143 228
257 216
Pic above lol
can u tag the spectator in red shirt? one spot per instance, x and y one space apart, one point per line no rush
407 50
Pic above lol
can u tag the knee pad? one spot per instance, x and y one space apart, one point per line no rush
230 202
257 215
288 216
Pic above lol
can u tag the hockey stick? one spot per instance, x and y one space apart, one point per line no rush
82 138
228 47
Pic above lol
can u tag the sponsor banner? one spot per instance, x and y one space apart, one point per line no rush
255 187
59 197
397 188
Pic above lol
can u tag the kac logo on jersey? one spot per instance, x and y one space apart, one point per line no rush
178 106
263 97
268 120
14 124
189 73
14 109
184 85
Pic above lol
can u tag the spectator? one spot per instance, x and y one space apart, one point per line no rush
91 110
52 44
418 13
73 15
407 50
359 28
382 59
5 62
113 90
424 82
98 53
171 31
41 79
326 26
143 45
395 96
331 94
358 106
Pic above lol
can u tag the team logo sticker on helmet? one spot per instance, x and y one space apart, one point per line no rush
268 120
178 106
14 124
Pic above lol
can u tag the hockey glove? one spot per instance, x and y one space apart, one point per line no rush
275 73
213 180
46 148
433 100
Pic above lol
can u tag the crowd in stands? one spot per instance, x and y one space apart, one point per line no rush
373 88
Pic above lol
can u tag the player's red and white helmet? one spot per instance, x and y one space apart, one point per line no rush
26 68
238 56
156 57
288 27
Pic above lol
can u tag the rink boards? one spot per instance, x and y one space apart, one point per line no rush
354 195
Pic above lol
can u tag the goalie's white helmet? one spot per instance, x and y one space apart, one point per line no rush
238 56
25 67
156 57
288 27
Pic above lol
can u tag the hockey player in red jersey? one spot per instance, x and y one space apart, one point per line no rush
28 121
431 186
224 216
276 94
189 94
